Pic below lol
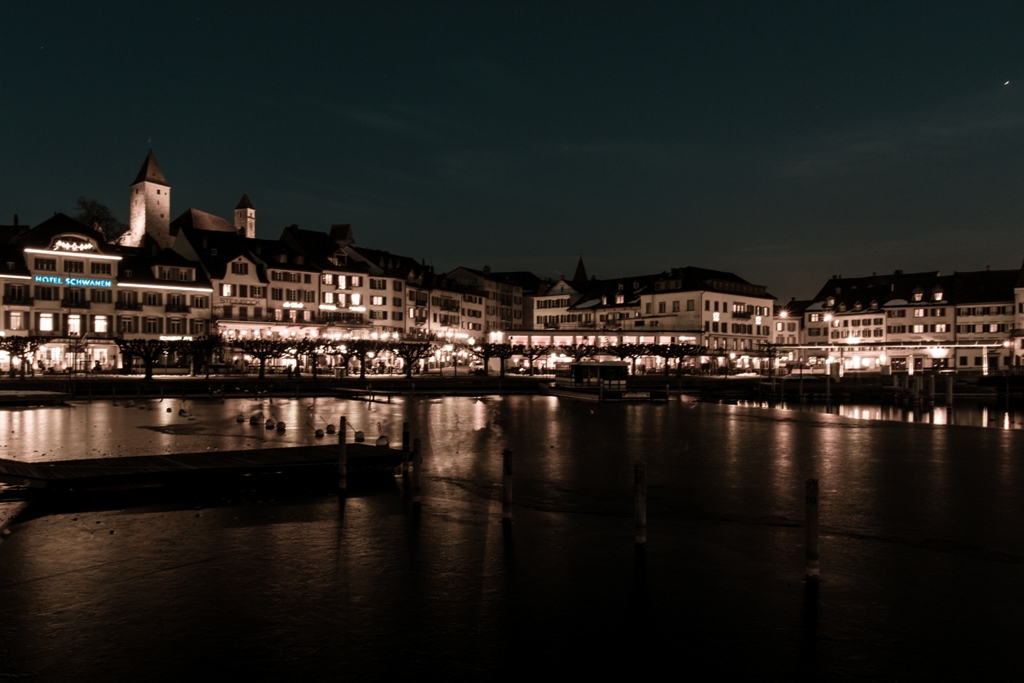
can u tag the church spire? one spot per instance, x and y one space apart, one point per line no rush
581 271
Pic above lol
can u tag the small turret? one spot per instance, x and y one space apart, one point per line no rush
245 218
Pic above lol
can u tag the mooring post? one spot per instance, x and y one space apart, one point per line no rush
417 472
828 388
949 390
917 388
342 458
506 487
640 503
812 570
405 449
931 388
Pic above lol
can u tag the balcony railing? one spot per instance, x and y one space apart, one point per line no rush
742 315
18 300
178 308
128 306
66 303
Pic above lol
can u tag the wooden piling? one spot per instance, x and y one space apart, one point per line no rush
949 390
405 449
812 570
342 458
931 388
506 486
417 473
640 503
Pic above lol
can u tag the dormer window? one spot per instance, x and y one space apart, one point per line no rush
858 306
620 299
213 252
938 296
874 305
918 296
842 307
830 302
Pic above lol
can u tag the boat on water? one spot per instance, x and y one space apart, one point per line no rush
609 381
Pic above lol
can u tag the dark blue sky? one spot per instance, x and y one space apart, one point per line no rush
785 143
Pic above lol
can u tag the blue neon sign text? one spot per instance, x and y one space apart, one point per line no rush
72 281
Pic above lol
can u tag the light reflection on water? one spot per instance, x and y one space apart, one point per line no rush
964 414
322 588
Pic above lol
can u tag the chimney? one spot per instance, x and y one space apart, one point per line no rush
15 220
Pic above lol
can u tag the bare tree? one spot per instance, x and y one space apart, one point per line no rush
579 351
149 350
21 348
675 351
410 352
535 353
200 349
261 349
312 349
360 349
629 352
501 351
100 218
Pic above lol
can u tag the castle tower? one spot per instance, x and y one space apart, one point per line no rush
245 218
150 206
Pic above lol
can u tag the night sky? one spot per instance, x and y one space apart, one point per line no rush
783 143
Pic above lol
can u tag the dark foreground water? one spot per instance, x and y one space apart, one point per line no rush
922 551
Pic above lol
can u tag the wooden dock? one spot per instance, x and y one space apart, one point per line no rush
148 470
32 398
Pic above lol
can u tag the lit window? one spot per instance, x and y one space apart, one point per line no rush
74 324
46 322
100 323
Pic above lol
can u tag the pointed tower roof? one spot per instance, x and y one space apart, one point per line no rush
150 172
581 272
244 203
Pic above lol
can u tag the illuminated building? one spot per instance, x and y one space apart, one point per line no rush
911 322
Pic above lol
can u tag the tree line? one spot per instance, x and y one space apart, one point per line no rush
202 350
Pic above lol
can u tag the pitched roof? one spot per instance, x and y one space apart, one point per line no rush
984 286
200 220
244 203
59 223
530 283
392 265
692 278
150 172
319 247
581 271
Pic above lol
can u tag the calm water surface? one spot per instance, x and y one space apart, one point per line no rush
922 550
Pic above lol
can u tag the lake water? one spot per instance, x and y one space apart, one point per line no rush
922 551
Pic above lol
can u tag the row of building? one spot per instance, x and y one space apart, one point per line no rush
200 273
